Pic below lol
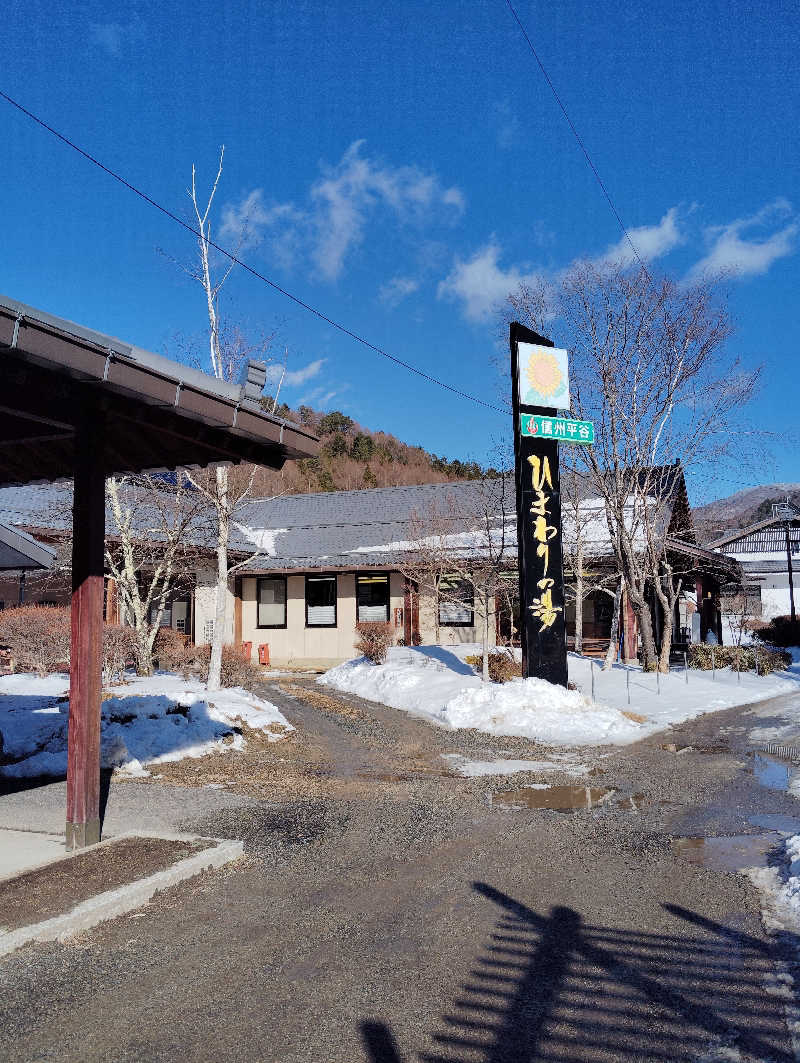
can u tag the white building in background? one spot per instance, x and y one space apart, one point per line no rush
768 552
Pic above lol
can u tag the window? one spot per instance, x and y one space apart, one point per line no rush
456 602
271 601
320 601
372 595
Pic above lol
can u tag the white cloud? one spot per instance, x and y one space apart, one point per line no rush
115 37
508 125
397 289
250 222
650 241
293 378
341 202
347 193
745 247
480 283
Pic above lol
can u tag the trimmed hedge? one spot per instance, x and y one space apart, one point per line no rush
748 658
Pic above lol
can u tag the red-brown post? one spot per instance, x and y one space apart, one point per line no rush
88 534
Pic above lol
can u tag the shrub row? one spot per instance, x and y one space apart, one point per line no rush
38 639
746 658
780 631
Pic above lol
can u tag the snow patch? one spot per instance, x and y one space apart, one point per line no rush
143 721
472 769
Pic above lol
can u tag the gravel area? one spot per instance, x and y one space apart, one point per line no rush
57 888
387 911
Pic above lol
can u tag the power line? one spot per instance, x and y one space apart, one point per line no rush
249 269
581 145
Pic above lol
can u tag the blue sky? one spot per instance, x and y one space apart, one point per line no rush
403 166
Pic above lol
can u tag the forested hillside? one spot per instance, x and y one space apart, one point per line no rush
742 509
353 457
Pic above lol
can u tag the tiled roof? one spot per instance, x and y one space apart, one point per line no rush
354 529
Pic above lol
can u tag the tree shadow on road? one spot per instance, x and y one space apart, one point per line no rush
554 988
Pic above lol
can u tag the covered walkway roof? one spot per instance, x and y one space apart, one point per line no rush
155 413
79 405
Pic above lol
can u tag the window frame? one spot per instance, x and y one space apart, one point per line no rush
272 627
319 577
373 575
470 599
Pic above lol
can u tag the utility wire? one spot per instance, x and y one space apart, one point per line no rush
249 269
581 145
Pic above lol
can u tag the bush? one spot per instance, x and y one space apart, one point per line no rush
374 640
747 658
37 636
780 631
119 649
237 670
502 665
171 648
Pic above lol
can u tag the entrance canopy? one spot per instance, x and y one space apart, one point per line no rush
155 413
75 404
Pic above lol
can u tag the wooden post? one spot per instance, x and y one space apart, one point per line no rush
237 611
88 534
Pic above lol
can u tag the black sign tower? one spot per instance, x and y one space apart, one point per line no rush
541 576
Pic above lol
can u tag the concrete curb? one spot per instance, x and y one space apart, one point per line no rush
127 898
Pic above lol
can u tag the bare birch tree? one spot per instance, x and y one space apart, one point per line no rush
150 551
227 353
649 367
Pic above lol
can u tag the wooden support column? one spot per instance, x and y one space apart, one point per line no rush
88 534
237 611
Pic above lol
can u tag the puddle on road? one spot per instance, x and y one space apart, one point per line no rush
776 821
734 853
555 798
772 772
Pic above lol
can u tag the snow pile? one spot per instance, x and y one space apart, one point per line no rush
436 682
144 720
780 887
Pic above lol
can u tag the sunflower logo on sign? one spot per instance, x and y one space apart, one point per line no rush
543 379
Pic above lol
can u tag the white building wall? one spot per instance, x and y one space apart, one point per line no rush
297 644
205 607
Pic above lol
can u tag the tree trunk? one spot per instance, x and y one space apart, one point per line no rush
218 635
611 652
485 670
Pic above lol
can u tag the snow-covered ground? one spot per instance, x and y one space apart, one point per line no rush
435 682
144 721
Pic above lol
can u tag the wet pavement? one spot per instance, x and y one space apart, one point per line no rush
415 915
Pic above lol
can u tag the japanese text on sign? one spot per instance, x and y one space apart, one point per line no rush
561 428
542 607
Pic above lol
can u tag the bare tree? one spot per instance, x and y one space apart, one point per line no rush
227 352
150 552
466 548
588 566
648 366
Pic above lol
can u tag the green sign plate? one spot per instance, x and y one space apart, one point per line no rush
563 429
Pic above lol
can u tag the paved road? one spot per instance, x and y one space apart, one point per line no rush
399 916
